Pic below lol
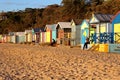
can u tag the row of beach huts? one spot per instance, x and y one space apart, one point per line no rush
102 29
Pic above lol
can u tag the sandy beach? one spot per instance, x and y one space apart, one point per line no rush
35 62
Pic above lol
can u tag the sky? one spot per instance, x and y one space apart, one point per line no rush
15 5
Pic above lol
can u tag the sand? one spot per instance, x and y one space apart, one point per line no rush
35 62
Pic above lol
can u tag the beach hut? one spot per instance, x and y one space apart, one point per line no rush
84 31
38 34
5 38
116 27
42 37
28 36
102 27
63 32
20 37
12 37
116 31
8 38
41 34
75 32
48 31
53 28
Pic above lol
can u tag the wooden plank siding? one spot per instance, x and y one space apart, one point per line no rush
75 32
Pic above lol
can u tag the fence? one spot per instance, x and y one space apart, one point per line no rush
105 38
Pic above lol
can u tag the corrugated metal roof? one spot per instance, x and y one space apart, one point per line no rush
65 24
104 17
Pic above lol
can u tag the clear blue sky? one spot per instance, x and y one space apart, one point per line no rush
10 5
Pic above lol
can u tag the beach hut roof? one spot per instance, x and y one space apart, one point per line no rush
64 24
48 26
51 27
103 17
38 29
11 33
28 31
20 33
115 16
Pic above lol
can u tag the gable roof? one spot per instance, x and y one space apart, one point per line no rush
115 16
38 30
20 33
53 27
48 26
28 31
64 24
85 24
11 33
103 17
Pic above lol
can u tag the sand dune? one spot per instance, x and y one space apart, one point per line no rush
34 62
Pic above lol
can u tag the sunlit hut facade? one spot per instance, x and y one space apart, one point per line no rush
116 31
75 32
103 28
12 37
48 33
36 33
42 35
84 31
20 37
101 24
53 28
42 31
51 32
116 27
28 36
63 32
4 38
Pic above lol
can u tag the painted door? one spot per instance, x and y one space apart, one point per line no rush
117 31
84 35
37 37
43 37
78 35
54 35
22 39
48 36
30 37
